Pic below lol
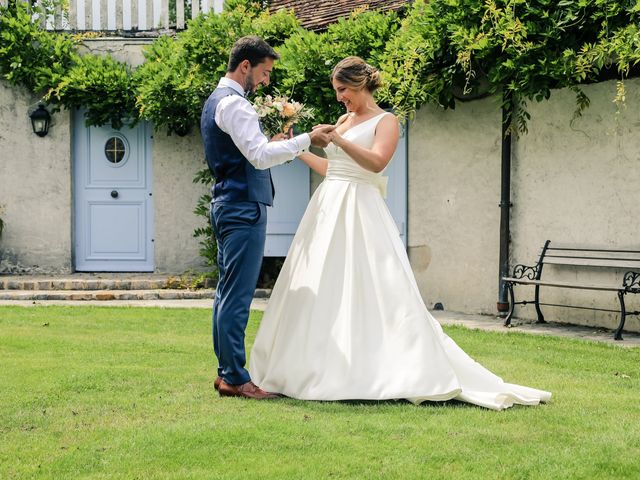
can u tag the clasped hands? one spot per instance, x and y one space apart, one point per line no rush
320 135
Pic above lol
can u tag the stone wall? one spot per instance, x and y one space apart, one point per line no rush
454 191
35 188
572 182
175 163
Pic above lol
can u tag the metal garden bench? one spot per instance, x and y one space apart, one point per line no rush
577 256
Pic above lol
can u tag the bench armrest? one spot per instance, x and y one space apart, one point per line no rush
631 282
525 271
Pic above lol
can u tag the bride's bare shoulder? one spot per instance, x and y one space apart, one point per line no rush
342 119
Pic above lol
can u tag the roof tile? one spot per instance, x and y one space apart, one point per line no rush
317 15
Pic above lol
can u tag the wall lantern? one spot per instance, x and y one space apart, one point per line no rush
40 119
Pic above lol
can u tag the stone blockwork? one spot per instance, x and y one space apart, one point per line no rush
105 295
84 283
107 287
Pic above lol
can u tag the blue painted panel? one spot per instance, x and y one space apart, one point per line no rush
293 190
396 199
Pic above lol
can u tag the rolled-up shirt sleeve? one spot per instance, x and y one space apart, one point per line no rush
236 117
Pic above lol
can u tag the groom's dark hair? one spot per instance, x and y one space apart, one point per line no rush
251 48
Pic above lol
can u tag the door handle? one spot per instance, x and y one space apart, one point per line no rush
114 194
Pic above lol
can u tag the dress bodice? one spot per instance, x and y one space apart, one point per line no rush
343 167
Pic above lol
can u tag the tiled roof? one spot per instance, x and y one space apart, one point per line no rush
319 14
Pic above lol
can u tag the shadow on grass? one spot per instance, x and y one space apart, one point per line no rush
453 403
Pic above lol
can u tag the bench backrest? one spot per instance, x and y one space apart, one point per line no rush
557 254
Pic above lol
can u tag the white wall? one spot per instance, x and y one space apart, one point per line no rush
454 191
175 162
570 183
35 187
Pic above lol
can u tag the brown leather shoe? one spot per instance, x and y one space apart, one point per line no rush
246 390
216 384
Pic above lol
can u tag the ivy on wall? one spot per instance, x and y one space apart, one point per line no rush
102 85
180 73
442 52
451 50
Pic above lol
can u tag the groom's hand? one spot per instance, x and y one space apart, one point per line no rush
323 126
320 135
278 137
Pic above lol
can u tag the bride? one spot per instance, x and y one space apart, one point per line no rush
346 320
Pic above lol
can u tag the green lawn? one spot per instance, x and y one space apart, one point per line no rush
127 393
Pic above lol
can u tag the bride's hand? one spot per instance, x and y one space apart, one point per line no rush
335 138
319 135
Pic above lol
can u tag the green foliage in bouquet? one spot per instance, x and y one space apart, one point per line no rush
278 114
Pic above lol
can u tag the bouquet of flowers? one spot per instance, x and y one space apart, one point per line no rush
278 114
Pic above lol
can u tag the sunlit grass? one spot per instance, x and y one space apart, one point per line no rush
127 393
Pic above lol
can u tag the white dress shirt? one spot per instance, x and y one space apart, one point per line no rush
236 117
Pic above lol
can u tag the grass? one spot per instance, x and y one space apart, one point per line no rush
127 393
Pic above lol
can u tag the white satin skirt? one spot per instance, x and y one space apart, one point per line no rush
346 320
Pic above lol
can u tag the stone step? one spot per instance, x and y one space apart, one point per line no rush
106 295
146 294
108 286
97 282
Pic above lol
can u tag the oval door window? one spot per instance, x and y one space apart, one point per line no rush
115 149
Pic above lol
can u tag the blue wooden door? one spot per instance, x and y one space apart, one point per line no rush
113 200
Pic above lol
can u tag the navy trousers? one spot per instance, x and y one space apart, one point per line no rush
240 230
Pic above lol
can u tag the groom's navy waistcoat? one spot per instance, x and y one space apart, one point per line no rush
235 178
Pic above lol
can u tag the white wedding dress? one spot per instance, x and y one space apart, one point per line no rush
346 320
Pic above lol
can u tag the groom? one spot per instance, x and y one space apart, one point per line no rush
239 156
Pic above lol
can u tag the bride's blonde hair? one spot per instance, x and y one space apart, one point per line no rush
355 73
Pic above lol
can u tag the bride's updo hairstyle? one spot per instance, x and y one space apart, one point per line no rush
357 74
